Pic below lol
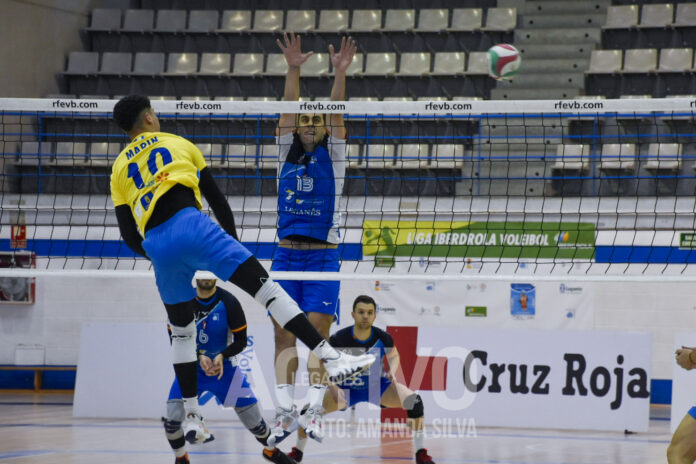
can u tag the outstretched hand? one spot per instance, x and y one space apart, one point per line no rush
292 50
342 60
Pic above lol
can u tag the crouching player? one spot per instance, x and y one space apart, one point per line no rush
376 386
219 318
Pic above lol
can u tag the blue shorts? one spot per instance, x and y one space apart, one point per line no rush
364 395
232 390
188 242
692 412
313 296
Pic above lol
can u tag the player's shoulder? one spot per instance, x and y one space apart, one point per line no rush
343 335
227 296
382 334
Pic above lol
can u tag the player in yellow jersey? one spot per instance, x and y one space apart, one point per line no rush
156 187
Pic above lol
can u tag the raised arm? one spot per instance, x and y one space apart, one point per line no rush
340 61
292 50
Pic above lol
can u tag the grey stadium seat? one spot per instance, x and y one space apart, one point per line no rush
400 20
356 66
248 64
478 63
240 156
686 14
621 17
366 20
116 63
640 60
83 63
300 20
203 20
411 155
432 19
446 156
414 64
379 156
316 65
333 20
182 63
215 63
171 21
675 59
618 156
664 157
148 63
449 63
236 20
276 64
658 15
138 20
380 64
575 157
105 19
466 19
268 20
501 19
605 61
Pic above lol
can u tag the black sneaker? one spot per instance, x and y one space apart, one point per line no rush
422 457
277 456
296 454
183 460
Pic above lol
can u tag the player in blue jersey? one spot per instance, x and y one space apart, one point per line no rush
219 319
156 187
682 448
311 172
376 386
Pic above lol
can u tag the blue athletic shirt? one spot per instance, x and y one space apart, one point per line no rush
217 319
380 344
310 187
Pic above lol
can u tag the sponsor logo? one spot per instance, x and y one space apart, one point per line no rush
430 311
386 309
564 289
522 301
476 311
383 286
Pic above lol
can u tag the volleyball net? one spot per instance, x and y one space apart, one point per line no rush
445 188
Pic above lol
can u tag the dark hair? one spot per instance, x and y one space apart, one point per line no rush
128 110
364 299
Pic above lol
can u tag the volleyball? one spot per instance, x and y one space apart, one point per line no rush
503 61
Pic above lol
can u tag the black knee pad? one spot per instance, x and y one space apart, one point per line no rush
171 426
180 314
414 406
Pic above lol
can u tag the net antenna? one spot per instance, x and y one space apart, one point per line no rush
446 190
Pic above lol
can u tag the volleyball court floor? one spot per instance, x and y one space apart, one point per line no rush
40 429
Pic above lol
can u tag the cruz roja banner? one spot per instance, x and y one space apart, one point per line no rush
463 239
596 380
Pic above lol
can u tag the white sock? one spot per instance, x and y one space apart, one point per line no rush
418 436
325 351
191 405
285 395
180 452
301 442
316 395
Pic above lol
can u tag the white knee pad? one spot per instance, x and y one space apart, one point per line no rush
278 302
184 343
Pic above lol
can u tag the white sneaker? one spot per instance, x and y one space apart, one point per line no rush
195 430
285 424
346 366
312 421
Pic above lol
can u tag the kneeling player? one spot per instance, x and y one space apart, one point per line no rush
376 386
218 316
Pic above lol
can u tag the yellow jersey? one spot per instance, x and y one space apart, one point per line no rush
149 166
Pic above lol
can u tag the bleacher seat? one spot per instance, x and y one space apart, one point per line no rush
400 20
333 20
216 63
171 21
116 63
572 157
356 66
203 21
433 20
316 65
414 64
182 63
148 63
354 155
657 15
240 156
478 63
30 154
664 157
102 153
466 19
501 19
621 17
300 20
263 98
411 155
397 99
105 19
618 156
640 60
67 153
380 64
83 63
366 20
449 63
249 64
675 59
268 20
229 98
446 156
686 14
275 64
138 20
235 21
379 156
605 61
268 157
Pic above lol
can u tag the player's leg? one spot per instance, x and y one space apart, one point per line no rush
286 363
174 432
682 449
396 395
334 400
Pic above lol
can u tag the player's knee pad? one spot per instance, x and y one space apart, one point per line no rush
180 314
413 404
184 343
278 302
175 416
251 417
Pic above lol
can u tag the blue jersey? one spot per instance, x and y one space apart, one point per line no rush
380 343
217 319
310 187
